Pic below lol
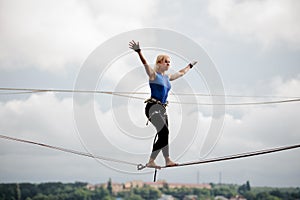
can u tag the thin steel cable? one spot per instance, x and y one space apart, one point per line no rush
130 95
68 150
217 104
140 167
237 156
239 104
15 93
229 157
146 93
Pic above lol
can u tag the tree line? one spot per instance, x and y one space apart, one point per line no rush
79 191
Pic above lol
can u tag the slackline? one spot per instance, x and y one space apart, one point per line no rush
133 96
140 166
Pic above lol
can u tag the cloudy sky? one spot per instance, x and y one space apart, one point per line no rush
253 44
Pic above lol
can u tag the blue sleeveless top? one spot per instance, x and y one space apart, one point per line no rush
160 87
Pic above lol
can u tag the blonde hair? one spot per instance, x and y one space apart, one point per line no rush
159 59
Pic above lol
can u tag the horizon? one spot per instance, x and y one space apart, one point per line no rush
153 183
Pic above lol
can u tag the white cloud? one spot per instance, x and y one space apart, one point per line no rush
264 126
268 21
119 16
44 35
52 35
43 118
289 87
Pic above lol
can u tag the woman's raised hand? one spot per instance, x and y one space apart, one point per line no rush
134 46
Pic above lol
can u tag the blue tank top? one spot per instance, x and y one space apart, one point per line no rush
160 87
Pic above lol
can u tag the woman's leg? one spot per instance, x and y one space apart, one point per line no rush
162 143
156 114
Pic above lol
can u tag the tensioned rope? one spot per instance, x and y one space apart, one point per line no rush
224 158
132 95
68 150
241 155
140 166
218 104
32 90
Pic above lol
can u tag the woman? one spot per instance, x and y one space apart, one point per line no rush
155 109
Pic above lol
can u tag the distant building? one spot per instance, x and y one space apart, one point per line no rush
119 187
161 184
136 184
181 185
157 184
116 187
92 187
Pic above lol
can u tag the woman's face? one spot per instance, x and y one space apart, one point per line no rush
164 65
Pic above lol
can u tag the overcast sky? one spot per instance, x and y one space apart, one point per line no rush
253 44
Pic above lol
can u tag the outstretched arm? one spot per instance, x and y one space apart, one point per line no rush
183 71
136 47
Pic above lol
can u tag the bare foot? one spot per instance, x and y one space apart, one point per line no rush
152 164
170 163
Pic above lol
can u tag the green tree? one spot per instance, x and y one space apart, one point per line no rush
244 188
147 192
180 193
248 187
40 196
249 195
108 197
109 186
100 193
266 196
81 194
134 197
223 191
28 190
8 191
202 193
154 194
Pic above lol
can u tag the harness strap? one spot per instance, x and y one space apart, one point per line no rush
149 118
153 100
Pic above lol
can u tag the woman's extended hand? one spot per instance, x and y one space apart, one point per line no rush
134 46
192 64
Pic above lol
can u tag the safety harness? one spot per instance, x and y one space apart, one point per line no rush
155 101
